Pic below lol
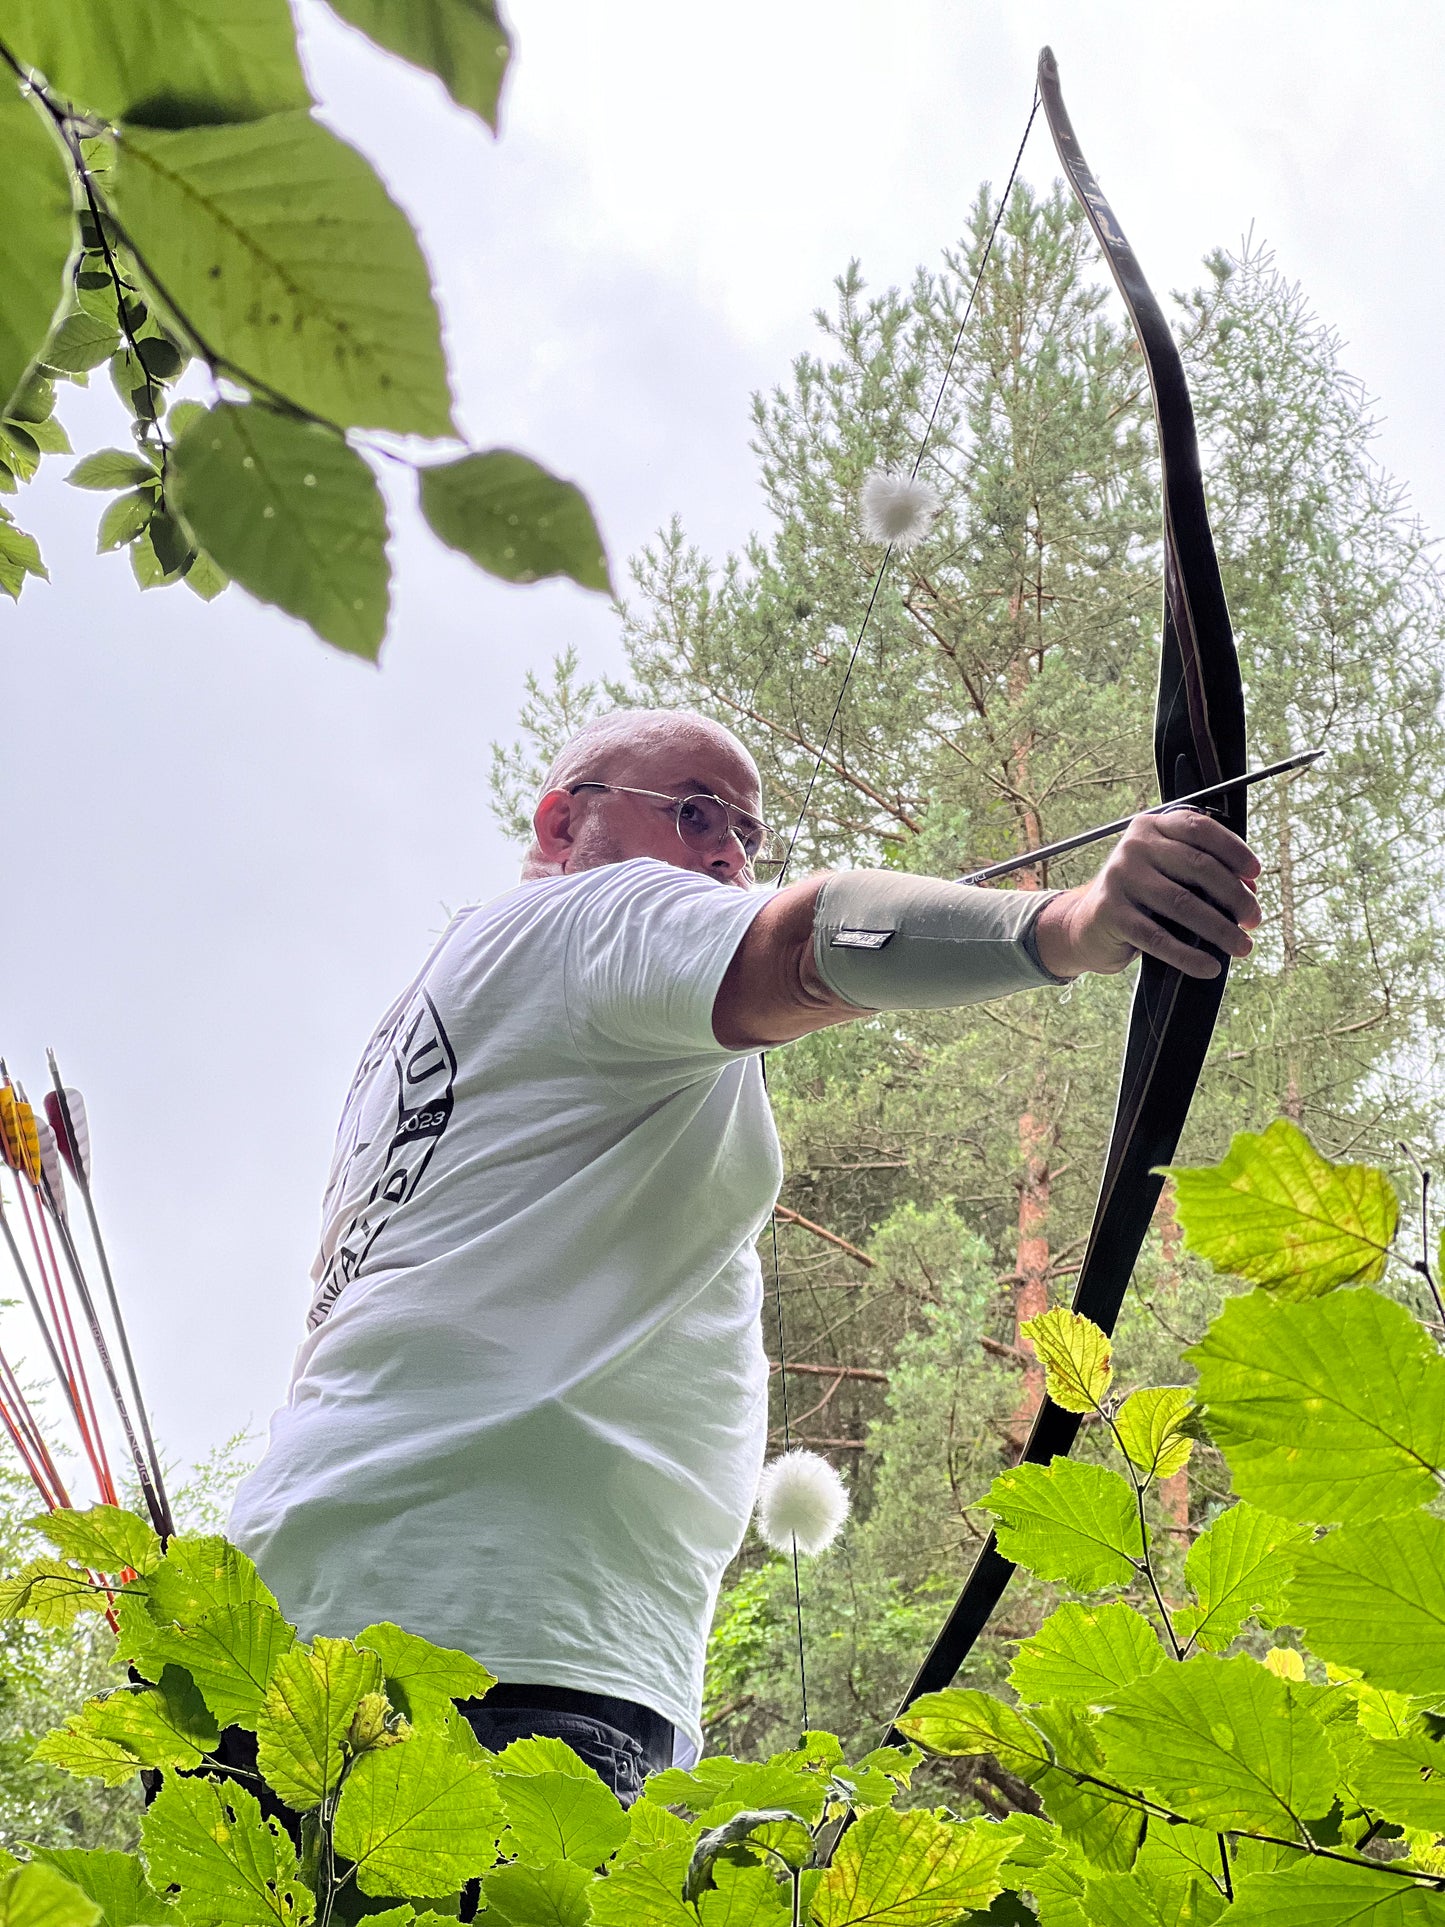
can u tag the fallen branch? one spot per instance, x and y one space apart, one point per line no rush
786 1216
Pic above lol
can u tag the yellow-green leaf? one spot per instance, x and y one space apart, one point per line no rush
1084 1654
1077 1357
37 1896
233 1868
1148 1426
116 1882
910 1870
48 1591
424 1680
422 1817
312 1697
1275 1211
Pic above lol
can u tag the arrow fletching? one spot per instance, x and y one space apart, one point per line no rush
65 1110
18 1135
52 1168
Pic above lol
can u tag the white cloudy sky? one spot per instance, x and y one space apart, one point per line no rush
229 845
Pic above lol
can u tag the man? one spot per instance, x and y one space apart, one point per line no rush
530 1413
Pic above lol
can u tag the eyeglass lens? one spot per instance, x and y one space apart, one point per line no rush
705 822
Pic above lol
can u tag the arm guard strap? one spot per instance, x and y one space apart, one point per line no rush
884 940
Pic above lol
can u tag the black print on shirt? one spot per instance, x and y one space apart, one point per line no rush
415 1043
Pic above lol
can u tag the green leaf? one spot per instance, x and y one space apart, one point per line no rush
280 245
961 1723
1276 1212
291 513
1329 1411
1402 1779
423 1680
233 1868
124 519
37 1896
50 437
170 63
553 1896
745 1897
1325 1893
1070 1521
650 1826
644 1892
33 402
1224 1742
230 1652
111 468
514 519
87 1756
160 1726
19 557
422 1817
205 579
1148 1425
1058 1888
1151 1900
1085 1653
116 1882
37 233
47 1591
307 1713
1077 1357
787 1834
463 42
1240 1566
82 341
910 1870
566 1815
719 1787
1373 1597
146 566
1105 1825
201 1571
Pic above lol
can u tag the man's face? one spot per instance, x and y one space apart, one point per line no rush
597 826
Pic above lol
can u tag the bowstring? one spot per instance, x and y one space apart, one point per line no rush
878 580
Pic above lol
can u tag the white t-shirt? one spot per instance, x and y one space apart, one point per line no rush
530 1413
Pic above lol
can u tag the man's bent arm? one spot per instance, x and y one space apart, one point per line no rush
843 945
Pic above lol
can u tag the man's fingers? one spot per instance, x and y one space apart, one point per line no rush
1200 872
1206 833
1140 930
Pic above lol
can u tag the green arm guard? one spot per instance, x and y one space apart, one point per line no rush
883 940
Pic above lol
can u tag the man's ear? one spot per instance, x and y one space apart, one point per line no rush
554 828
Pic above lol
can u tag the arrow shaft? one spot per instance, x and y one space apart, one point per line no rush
1085 837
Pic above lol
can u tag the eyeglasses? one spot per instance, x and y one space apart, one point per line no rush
705 822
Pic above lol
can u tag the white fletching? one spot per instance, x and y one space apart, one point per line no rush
50 1165
801 1500
80 1130
896 508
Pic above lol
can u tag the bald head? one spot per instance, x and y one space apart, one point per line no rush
674 752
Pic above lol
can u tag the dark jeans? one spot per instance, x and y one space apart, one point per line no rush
620 1740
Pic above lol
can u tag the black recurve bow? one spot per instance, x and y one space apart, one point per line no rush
1198 740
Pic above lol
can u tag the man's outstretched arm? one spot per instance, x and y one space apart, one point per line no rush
1182 867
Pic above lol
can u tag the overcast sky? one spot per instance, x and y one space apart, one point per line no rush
230 846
